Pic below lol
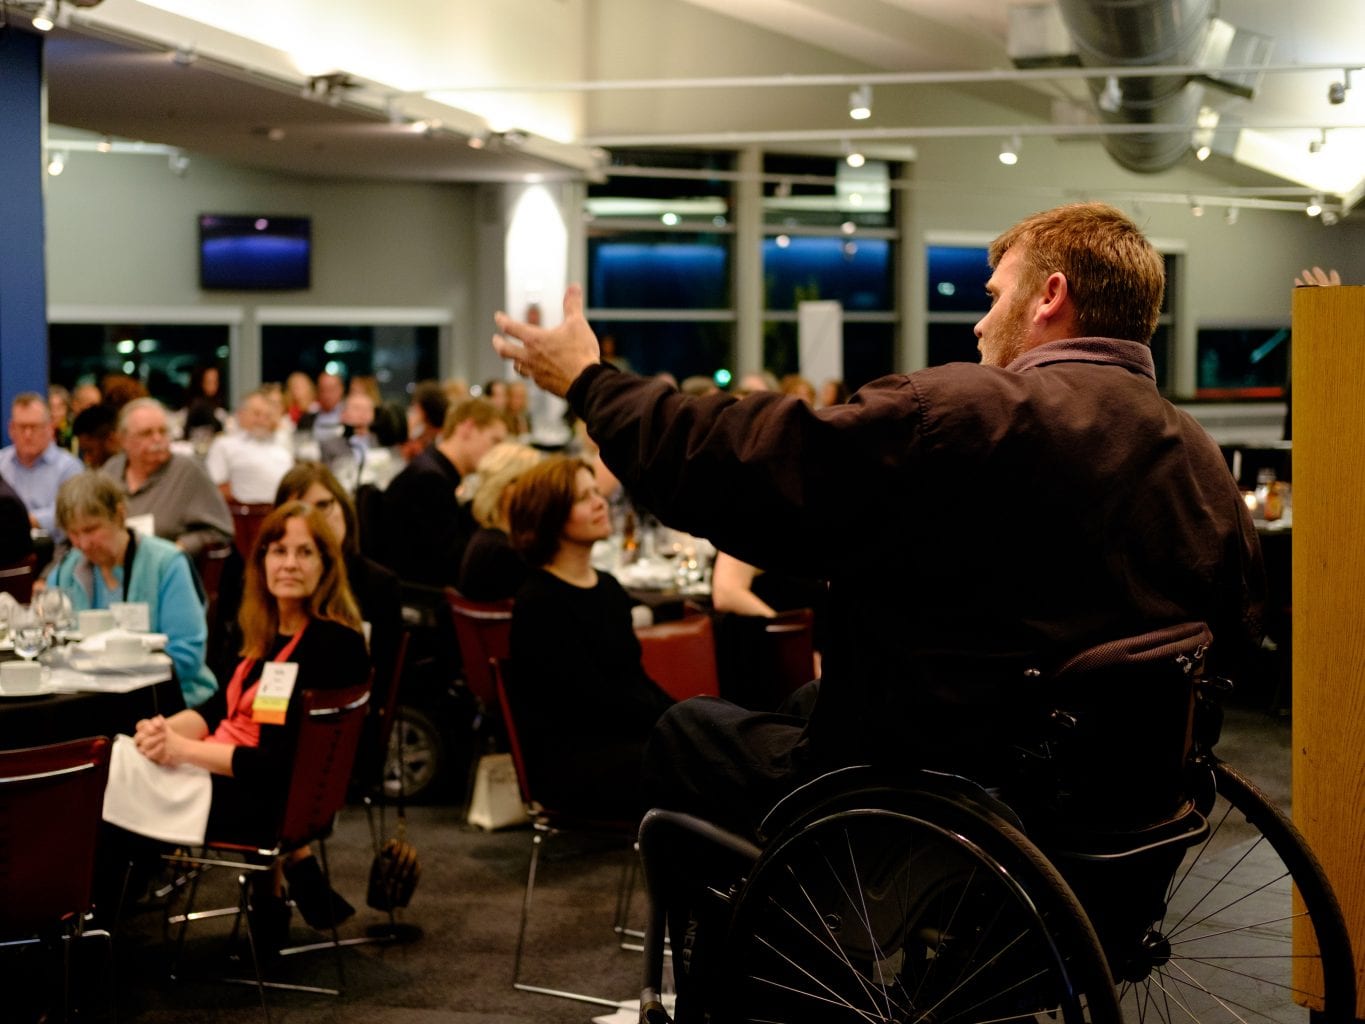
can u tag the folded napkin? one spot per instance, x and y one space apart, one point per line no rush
169 804
95 644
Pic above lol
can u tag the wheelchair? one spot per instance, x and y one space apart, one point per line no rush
1116 869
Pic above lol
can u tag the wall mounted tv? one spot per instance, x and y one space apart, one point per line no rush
254 252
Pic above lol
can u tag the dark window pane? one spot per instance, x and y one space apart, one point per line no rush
869 351
1242 362
957 279
856 273
1171 264
952 343
1163 338
682 348
649 271
396 355
162 356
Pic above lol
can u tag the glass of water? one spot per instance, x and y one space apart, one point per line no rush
26 626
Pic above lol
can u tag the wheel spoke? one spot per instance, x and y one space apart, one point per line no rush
1177 930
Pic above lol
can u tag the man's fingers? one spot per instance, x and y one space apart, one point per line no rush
573 301
507 348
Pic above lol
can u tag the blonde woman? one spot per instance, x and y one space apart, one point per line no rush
491 570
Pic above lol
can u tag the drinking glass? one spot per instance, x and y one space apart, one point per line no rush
27 627
52 606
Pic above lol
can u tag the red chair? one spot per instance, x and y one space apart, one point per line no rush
16 579
246 524
547 822
51 799
483 629
681 656
320 774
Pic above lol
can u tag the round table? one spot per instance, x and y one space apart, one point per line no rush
54 717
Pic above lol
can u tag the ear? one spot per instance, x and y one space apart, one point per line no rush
1054 302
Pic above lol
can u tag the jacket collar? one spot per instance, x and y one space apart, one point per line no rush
1133 356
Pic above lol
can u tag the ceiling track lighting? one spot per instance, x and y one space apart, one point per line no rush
1196 207
1315 146
46 17
1336 92
1314 207
56 162
855 159
1009 151
860 103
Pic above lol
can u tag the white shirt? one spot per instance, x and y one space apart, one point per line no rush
252 467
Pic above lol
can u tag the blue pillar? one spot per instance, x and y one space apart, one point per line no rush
23 279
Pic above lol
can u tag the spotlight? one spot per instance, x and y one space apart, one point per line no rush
1009 152
860 103
1230 215
1315 145
1336 92
1111 97
46 18
855 159
56 163
1196 207
1314 206
1330 217
477 141
179 163
185 55
105 145
1202 153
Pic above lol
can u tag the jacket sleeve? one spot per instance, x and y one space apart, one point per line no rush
765 477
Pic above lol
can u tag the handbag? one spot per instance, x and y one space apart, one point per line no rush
496 800
394 871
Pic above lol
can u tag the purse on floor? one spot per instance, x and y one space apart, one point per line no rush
394 871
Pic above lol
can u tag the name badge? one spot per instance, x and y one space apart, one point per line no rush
272 696
143 525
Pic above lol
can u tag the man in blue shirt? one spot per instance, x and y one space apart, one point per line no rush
33 464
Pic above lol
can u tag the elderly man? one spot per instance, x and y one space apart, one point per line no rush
425 527
173 490
976 521
249 463
33 464
325 419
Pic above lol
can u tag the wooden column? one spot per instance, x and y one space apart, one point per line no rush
1329 593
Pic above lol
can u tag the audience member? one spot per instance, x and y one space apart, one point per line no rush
426 415
85 395
298 610
174 490
204 406
795 384
456 390
108 562
119 389
492 570
518 414
387 424
495 391
699 385
586 705
248 463
753 383
301 396
96 433
426 528
16 534
324 419
33 464
832 392
59 407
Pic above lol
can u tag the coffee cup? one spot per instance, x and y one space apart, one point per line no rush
18 678
122 651
94 620
134 616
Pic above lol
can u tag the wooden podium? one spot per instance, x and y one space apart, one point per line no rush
1328 587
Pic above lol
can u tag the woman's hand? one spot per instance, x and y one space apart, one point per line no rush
1317 278
159 743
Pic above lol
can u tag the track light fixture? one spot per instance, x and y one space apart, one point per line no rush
179 163
1315 145
1196 207
56 162
1336 92
1314 207
46 18
1230 215
855 159
860 103
1009 151
1202 153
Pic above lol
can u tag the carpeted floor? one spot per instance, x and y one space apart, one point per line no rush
466 906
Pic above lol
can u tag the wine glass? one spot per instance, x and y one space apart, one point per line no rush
52 607
27 627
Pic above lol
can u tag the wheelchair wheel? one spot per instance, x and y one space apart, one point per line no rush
1225 950
929 912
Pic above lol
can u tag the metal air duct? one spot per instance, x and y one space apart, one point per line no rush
1131 33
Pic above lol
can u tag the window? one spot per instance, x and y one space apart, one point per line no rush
684 348
394 354
161 356
645 270
1242 362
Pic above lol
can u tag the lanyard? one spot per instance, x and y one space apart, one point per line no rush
238 684
129 553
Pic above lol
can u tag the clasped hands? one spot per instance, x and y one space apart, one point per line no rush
158 742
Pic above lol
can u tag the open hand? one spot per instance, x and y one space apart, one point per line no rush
552 356
1317 278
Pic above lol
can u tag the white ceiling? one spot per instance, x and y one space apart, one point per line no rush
111 71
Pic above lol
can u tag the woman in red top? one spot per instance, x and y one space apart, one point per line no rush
297 608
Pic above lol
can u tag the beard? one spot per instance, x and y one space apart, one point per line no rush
1009 339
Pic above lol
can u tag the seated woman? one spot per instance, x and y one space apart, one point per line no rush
297 609
491 570
587 705
108 562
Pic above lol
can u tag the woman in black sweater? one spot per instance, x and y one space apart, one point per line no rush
584 704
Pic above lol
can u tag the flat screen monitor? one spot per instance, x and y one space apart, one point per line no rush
254 252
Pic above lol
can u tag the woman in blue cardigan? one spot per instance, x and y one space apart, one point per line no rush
108 562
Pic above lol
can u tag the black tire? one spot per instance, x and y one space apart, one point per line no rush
930 911
1224 951
416 756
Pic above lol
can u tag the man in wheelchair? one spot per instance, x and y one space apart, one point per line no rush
979 524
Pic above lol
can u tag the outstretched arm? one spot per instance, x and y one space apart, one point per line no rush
552 356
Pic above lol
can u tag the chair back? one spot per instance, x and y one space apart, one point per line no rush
246 524
51 799
681 656
16 579
483 630
503 683
762 661
328 738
